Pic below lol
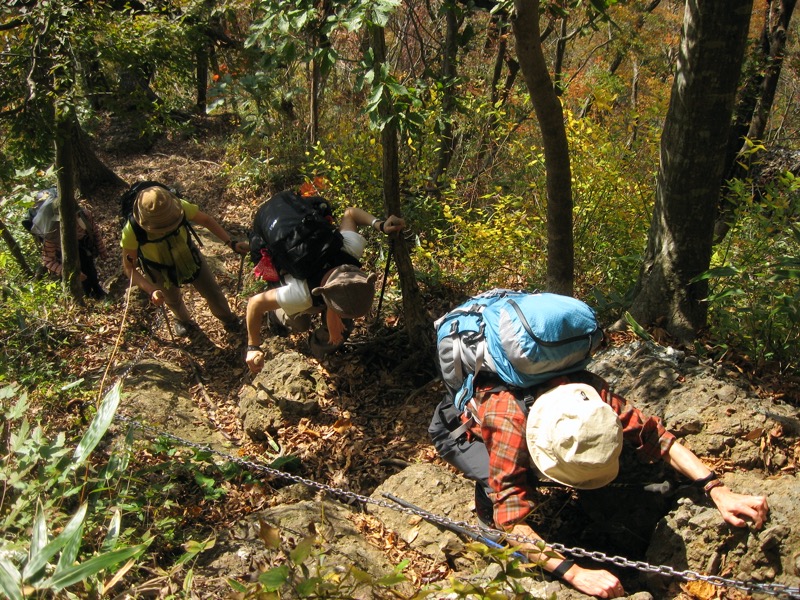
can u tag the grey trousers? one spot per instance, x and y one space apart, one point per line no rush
207 286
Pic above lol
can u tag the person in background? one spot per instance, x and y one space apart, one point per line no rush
340 289
46 228
159 256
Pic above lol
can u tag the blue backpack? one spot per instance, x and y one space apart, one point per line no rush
524 338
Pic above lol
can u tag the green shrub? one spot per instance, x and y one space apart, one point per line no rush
754 300
48 486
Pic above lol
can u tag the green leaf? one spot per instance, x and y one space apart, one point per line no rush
391 579
637 329
274 579
726 271
99 425
237 587
302 550
40 557
93 566
307 587
112 535
361 576
70 551
39 534
10 580
382 10
71 385
21 405
193 548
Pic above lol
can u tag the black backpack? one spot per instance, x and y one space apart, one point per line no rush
297 232
127 201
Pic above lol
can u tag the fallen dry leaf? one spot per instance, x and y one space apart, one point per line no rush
700 590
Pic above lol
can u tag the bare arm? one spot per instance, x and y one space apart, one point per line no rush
211 224
596 582
736 509
129 262
257 306
355 217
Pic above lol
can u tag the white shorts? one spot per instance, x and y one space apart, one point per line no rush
295 297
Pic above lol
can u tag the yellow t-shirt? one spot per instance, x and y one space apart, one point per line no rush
174 256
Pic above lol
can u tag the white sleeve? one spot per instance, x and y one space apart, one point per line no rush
294 296
354 243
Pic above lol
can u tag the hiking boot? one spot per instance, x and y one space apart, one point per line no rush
183 329
235 326
484 509
319 343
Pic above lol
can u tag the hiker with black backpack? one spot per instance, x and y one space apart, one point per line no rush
44 223
522 411
160 254
313 268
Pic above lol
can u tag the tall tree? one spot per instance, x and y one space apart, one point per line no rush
46 40
756 97
416 322
549 112
690 172
449 72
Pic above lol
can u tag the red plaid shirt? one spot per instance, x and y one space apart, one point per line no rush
502 429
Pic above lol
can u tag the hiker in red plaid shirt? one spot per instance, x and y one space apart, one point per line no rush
572 435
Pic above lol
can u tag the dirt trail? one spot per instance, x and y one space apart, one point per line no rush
356 423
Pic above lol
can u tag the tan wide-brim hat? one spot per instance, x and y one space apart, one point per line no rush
574 438
158 211
349 291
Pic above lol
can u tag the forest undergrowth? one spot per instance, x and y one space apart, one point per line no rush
67 356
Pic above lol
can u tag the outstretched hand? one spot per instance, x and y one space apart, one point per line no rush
241 247
598 582
392 224
739 509
157 298
255 361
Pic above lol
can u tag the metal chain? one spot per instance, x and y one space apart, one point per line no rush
774 589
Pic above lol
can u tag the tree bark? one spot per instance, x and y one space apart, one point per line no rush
13 247
418 326
690 172
89 171
201 80
549 112
67 207
754 106
449 56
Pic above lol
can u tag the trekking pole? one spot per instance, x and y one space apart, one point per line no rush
453 527
167 323
385 278
241 272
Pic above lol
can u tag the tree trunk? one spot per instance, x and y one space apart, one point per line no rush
314 98
497 93
13 247
418 326
445 151
690 172
755 103
201 59
67 207
89 171
560 252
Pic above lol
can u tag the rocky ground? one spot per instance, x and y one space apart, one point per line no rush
356 423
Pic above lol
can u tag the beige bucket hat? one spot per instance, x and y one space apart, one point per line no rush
574 438
158 211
